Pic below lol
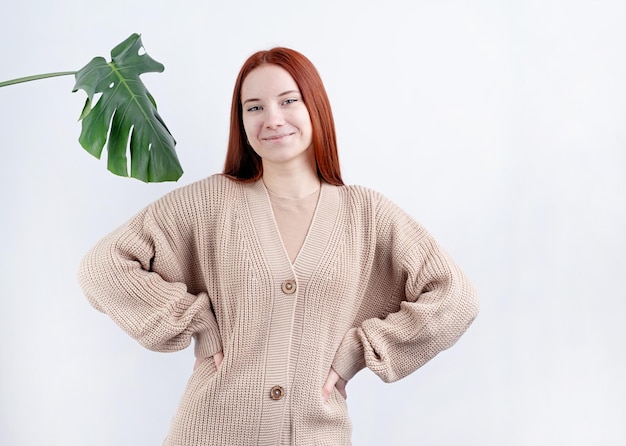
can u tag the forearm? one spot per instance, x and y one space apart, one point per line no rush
119 279
437 303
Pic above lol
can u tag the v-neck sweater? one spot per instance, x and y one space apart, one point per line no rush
293 219
370 287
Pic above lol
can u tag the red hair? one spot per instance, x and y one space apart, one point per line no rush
242 162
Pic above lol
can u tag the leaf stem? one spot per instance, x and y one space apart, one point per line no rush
36 77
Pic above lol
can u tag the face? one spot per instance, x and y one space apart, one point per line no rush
275 118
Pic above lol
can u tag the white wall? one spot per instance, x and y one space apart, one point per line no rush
499 125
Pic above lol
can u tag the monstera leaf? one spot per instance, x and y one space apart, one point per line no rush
127 114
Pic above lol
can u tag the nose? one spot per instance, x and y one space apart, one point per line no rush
274 117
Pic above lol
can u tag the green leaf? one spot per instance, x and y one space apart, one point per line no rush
126 111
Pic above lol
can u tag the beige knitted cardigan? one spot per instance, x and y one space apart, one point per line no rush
369 288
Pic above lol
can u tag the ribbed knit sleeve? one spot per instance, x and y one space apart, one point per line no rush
139 275
431 306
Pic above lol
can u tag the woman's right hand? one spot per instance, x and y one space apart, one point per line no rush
218 358
334 380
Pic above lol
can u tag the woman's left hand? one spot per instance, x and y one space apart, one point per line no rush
218 358
334 380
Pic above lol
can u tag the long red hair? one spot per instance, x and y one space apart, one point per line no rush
242 162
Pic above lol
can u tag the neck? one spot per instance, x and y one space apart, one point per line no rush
290 183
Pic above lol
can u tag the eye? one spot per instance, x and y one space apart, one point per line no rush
254 108
290 101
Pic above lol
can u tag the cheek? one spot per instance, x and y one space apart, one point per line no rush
305 119
247 132
248 127
308 127
251 135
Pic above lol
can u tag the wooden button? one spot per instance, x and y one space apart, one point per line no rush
277 393
289 286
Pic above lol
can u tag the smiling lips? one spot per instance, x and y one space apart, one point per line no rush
274 138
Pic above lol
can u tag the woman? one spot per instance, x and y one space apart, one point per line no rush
288 281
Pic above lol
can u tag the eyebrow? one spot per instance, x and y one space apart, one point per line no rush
282 94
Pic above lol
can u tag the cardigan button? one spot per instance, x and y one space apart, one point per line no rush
277 393
289 286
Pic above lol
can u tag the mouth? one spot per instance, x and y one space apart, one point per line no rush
276 138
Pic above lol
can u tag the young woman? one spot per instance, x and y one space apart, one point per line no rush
288 282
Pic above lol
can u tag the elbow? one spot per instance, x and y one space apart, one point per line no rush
153 343
474 303
157 336
469 308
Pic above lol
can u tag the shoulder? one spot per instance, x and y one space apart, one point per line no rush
217 183
374 208
210 191
361 197
197 202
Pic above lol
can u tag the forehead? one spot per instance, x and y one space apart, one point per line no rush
266 81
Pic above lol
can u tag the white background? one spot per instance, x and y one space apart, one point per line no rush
501 126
